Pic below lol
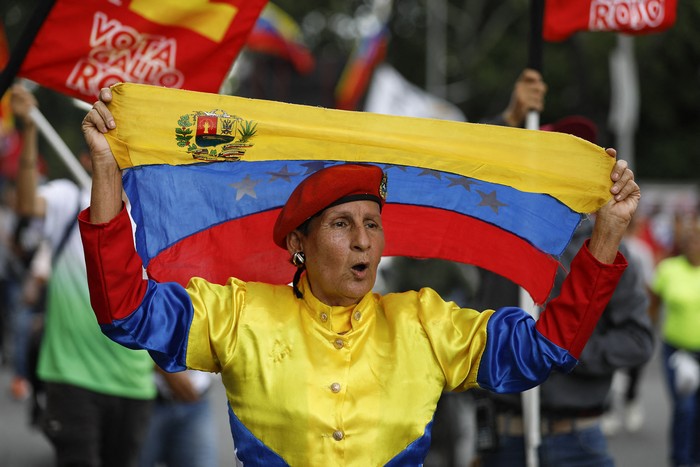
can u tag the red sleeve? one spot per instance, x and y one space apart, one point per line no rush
569 320
114 270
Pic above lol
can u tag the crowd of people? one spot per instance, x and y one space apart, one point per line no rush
101 402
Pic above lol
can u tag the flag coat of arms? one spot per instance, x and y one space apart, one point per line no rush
82 46
207 175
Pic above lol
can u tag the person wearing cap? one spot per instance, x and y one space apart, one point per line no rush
325 372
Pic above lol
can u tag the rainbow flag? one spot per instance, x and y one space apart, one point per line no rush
207 174
276 33
367 54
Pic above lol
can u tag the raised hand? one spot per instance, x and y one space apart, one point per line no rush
613 218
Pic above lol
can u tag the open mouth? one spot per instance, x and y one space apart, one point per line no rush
360 267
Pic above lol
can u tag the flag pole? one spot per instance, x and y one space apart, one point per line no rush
532 120
531 399
61 148
436 47
624 97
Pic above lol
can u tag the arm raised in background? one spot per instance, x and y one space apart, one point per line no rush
28 202
528 94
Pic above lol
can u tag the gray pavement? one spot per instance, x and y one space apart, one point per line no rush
22 446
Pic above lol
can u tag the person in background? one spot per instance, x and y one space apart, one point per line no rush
572 404
626 410
19 240
27 241
10 269
676 287
98 393
528 94
181 432
34 298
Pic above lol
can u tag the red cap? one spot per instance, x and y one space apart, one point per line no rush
328 187
575 125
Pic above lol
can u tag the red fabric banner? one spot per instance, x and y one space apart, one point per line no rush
4 48
562 18
84 46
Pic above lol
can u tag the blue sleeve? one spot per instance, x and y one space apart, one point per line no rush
160 325
517 357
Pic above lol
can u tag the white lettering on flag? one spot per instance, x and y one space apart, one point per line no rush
633 15
119 53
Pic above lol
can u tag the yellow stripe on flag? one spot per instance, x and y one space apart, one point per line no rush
151 121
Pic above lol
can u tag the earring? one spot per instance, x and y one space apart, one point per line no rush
298 259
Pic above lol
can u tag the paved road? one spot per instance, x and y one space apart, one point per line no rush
21 446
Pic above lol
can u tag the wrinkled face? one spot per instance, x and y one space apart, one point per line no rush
343 248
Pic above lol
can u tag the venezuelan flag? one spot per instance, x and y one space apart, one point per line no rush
207 174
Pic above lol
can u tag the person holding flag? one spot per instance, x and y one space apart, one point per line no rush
325 372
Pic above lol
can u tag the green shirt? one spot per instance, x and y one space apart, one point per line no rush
677 282
74 350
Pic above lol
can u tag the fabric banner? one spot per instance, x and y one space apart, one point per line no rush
4 48
368 52
207 174
390 93
83 46
562 18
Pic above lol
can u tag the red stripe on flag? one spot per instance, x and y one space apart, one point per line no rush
213 255
435 233
410 231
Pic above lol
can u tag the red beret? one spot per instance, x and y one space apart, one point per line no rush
327 187
575 125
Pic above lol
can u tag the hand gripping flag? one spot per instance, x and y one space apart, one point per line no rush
207 174
83 46
562 18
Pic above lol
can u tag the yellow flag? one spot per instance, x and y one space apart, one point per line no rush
168 126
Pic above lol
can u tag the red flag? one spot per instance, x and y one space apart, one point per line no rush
84 46
562 18
4 48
